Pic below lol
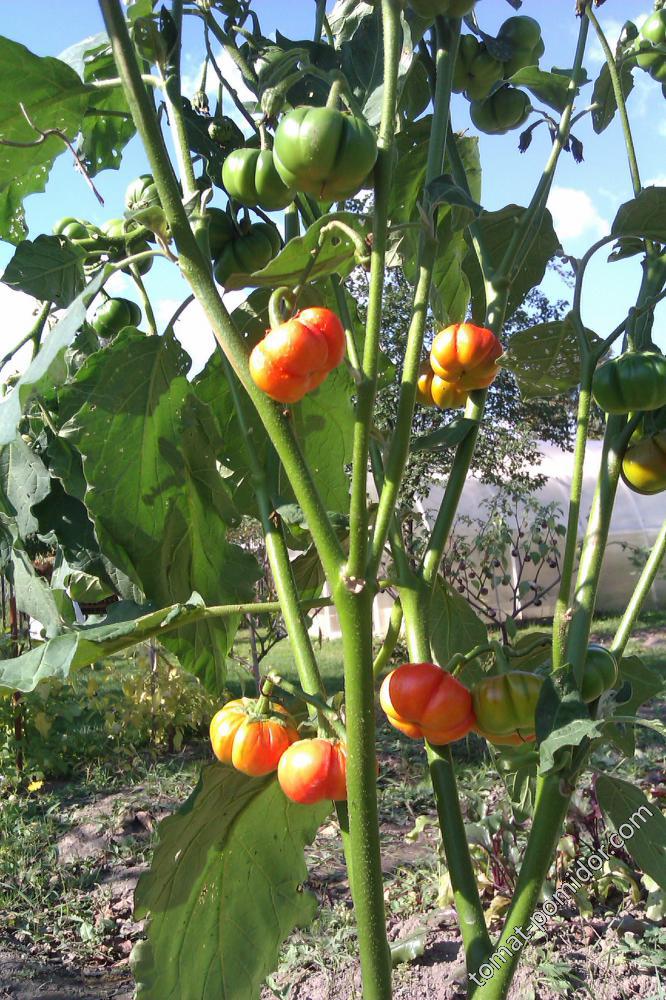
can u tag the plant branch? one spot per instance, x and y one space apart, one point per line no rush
174 102
641 590
447 44
358 509
45 134
518 243
560 622
34 334
225 84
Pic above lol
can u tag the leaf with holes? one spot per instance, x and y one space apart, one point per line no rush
54 98
545 358
224 890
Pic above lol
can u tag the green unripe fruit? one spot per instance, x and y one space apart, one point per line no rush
505 109
221 231
475 71
73 229
248 252
114 315
141 193
523 34
633 382
324 152
653 33
249 175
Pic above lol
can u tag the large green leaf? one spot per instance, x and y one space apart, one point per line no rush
50 269
545 358
562 720
638 822
126 624
644 215
498 228
642 683
237 846
337 255
160 505
604 104
551 88
108 126
48 368
324 425
54 98
24 481
455 628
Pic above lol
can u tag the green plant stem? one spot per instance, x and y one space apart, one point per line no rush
448 34
594 544
619 100
328 714
355 611
390 641
457 477
519 243
383 174
278 556
231 50
473 928
568 559
310 212
320 14
174 105
291 222
260 608
224 84
550 810
147 305
34 334
178 313
196 270
641 590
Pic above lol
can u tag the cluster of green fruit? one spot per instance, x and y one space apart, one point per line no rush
496 106
116 238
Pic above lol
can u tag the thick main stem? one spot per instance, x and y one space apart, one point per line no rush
355 611
564 593
442 772
594 544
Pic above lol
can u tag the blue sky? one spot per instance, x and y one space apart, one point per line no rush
584 200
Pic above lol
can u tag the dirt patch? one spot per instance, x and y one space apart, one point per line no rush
573 965
23 977
108 821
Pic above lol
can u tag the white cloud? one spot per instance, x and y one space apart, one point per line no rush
231 73
192 328
574 214
658 181
18 312
611 29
